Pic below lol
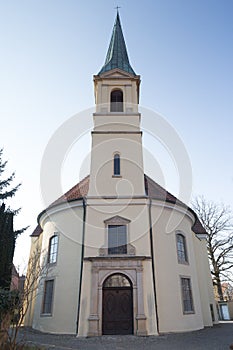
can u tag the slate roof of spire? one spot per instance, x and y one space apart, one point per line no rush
117 56
152 189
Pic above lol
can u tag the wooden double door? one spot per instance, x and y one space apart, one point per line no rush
117 310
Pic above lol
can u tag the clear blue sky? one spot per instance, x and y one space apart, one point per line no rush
50 50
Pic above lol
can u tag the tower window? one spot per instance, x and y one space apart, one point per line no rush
116 165
116 101
117 239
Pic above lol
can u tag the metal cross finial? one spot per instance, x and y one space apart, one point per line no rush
117 8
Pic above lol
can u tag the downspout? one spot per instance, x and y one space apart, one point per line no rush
153 265
81 267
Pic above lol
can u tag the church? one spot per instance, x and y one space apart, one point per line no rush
112 266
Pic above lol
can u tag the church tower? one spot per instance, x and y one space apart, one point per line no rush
117 221
116 158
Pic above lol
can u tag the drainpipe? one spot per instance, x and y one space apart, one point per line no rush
153 265
81 267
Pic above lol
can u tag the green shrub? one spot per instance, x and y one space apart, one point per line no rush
9 301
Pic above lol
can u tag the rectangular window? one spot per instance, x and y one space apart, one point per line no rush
187 295
117 239
48 297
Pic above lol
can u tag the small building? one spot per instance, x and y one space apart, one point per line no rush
113 267
14 278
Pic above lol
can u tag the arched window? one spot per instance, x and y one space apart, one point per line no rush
181 248
53 246
116 101
117 165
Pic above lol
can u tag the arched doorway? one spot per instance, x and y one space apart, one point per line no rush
117 305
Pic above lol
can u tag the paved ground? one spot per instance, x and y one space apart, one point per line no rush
217 338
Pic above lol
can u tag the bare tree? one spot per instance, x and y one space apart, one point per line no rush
12 318
217 221
227 290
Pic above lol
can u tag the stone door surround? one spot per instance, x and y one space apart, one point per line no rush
102 268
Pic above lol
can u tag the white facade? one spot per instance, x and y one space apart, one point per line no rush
159 281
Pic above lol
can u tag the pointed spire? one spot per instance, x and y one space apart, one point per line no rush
117 56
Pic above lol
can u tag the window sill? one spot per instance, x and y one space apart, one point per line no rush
130 251
183 262
117 176
46 315
116 255
51 264
188 312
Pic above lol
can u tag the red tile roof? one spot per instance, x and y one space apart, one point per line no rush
38 230
152 189
155 191
76 192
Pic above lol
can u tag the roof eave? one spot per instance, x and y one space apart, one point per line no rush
53 206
